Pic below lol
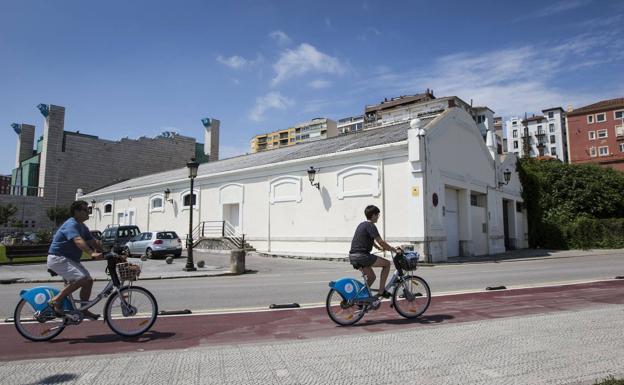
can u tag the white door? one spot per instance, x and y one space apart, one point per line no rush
120 218
231 213
451 222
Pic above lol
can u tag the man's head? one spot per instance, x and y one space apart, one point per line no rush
372 213
79 210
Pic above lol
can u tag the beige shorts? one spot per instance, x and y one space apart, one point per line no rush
71 271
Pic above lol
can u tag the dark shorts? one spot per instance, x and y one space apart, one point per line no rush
362 260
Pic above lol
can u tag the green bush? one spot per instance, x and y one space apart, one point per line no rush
572 206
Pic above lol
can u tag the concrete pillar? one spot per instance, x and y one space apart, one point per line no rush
416 208
211 138
52 147
25 143
237 261
465 223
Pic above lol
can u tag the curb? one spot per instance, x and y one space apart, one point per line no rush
151 278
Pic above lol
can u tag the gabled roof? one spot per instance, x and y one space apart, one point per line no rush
604 105
342 143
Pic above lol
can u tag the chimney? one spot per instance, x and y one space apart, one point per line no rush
211 138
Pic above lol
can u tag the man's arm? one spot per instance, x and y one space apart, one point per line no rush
384 245
82 245
95 245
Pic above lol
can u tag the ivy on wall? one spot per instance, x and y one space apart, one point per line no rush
572 206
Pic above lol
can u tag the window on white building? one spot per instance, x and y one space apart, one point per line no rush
603 151
515 122
514 133
602 133
592 135
551 127
551 115
592 151
515 144
602 117
553 151
157 203
186 200
108 208
552 139
590 119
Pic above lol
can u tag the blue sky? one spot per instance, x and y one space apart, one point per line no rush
138 68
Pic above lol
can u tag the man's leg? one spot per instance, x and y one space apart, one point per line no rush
67 290
385 270
370 275
85 290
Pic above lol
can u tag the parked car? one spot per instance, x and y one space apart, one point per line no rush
97 234
114 238
154 244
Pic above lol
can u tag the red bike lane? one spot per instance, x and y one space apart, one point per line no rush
180 332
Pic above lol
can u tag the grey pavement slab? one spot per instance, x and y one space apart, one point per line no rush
557 348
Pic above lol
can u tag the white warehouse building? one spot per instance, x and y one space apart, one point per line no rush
440 188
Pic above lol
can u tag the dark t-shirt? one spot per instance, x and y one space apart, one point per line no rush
362 242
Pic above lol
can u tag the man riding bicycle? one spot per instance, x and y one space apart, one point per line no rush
69 242
365 238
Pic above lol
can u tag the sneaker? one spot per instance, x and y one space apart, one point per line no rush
385 294
91 316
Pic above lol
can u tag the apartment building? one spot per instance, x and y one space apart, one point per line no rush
596 134
5 184
405 108
351 124
539 135
315 129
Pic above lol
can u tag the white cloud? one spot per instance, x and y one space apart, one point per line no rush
513 80
236 62
272 100
319 84
280 37
554 9
304 59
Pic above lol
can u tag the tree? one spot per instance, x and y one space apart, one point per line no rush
6 212
58 214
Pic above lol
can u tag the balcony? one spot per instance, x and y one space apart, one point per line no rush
540 133
619 131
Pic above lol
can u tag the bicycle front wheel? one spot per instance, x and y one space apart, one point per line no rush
131 312
34 326
340 311
411 297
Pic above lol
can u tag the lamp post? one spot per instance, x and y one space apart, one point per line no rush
311 175
190 265
507 177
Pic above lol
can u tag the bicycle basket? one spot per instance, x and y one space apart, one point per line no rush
408 260
127 271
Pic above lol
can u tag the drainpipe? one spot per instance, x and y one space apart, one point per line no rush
383 200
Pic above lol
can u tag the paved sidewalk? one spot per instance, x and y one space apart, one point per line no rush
557 348
216 265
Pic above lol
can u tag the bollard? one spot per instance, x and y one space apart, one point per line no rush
237 261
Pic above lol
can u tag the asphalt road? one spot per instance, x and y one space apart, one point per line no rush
277 280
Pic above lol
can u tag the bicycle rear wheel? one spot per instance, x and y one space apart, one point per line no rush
412 297
131 312
340 311
41 328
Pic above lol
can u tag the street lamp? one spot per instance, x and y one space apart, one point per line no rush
507 177
168 196
192 167
311 175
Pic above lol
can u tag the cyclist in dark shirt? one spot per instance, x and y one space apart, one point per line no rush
365 238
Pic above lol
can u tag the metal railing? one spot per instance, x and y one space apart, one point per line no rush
219 229
33 191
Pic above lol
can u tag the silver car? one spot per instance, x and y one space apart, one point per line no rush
154 244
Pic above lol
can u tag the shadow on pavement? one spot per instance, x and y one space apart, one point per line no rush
108 338
427 319
56 379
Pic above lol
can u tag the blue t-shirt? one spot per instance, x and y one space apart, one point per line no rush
63 242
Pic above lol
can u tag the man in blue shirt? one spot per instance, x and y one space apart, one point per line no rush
69 242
